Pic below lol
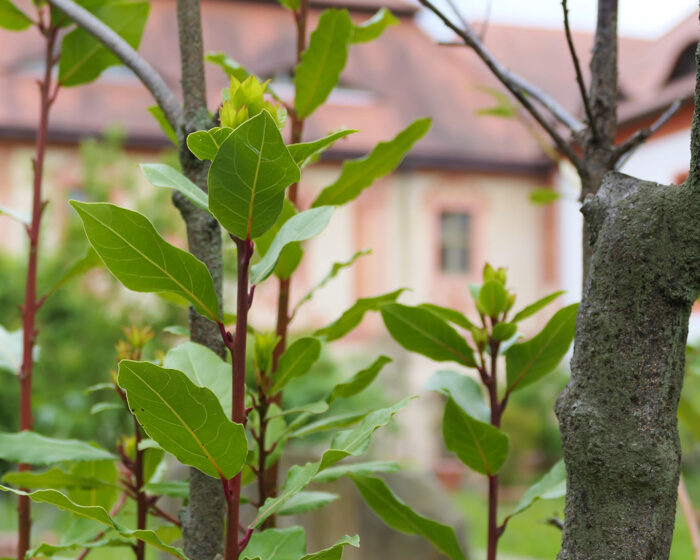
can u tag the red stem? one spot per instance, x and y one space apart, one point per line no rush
141 503
30 306
494 531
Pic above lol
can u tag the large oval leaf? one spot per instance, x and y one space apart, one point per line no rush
248 177
142 260
184 419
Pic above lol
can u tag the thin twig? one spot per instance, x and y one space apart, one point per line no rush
128 55
519 87
624 151
579 73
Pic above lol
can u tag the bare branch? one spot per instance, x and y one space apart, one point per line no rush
133 60
519 87
624 151
577 66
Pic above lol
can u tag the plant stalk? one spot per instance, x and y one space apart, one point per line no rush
141 503
30 307
494 532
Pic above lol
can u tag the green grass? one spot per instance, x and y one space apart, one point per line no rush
529 537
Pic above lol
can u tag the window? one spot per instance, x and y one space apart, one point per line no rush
454 242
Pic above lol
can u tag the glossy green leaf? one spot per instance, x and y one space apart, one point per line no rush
551 486
451 315
248 177
373 27
360 469
464 390
323 61
354 315
304 502
358 174
526 362
493 299
52 478
358 382
161 175
142 260
11 343
170 488
422 331
298 228
12 18
334 552
84 58
22 217
34 449
504 331
163 123
544 196
86 263
296 360
535 307
276 544
98 514
103 496
398 515
303 152
205 369
205 144
186 420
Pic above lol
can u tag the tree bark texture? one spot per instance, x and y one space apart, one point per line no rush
203 520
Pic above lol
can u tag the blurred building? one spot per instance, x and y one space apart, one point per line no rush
461 197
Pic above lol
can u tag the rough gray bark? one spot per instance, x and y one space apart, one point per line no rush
203 521
618 414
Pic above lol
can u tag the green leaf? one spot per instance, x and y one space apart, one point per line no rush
276 544
463 390
358 174
451 315
358 382
177 330
51 550
689 415
535 307
303 152
142 260
354 315
12 18
329 423
228 65
104 496
504 331
334 552
298 478
34 449
323 61
493 299
318 407
11 343
98 514
397 515
53 478
422 331
544 196
89 261
527 362
205 144
22 217
186 420
161 175
373 27
205 369
296 361
105 406
360 469
162 121
170 488
304 502
551 486
298 228
84 58
248 177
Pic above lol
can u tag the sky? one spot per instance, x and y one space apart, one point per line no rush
637 18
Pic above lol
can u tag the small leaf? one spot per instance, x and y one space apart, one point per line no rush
358 174
493 298
354 315
397 515
205 144
323 61
177 330
162 121
527 362
161 175
329 423
296 361
53 478
248 177
304 502
291 255
551 486
228 65
186 420
89 261
303 152
12 18
318 407
422 331
292 5
142 260
298 478
463 390
504 331
34 449
98 514
358 382
276 544
22 217
451 315
535 307
46 550
374 27
360 469
544 196
334 552
105 406
170 488
298 228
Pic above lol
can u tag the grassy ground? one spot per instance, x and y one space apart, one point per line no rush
529 537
